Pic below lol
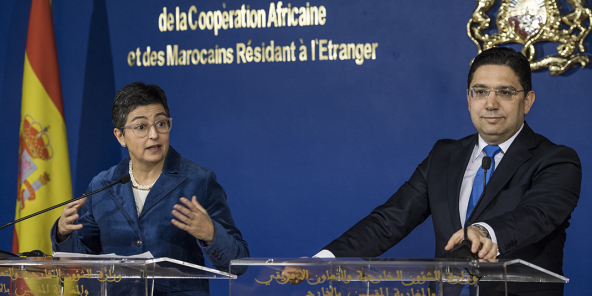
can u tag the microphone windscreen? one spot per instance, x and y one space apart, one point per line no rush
486 164
124 179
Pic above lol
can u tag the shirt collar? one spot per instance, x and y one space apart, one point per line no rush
504 146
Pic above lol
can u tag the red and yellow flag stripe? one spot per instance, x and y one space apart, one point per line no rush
44 166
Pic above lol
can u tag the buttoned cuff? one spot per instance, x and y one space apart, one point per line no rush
217 249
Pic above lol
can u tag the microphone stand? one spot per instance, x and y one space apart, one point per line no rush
463 251
36 253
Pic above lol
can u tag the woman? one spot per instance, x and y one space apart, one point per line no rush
172 207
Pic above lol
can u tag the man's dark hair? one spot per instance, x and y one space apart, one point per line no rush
504 56
132 96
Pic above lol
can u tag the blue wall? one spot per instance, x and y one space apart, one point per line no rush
304 149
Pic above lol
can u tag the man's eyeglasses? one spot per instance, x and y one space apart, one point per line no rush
503 93
142 129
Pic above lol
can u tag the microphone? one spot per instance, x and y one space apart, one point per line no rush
122 180
486 163
463 252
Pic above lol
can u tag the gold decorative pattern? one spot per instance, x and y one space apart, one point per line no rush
530 21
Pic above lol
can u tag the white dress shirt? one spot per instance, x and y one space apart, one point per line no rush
467 184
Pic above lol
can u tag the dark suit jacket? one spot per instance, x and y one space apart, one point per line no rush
528 203
112 225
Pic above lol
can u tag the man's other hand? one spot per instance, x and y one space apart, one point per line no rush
480 243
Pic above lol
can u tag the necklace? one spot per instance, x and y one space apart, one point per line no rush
135 183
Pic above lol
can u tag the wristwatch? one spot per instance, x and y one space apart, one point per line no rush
482 229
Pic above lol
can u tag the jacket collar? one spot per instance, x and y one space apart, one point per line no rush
123 195
170 178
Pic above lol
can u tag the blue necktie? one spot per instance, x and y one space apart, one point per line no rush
490 151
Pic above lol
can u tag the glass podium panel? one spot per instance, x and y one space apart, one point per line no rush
379 276
101 276
177 269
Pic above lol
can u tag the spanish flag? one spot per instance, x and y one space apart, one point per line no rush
44 166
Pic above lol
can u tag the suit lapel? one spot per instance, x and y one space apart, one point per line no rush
167 182
517 154
122 195
457 166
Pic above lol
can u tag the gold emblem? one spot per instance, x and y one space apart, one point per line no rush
34 144
530 21
35 138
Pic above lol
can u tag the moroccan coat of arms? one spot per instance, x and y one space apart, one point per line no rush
530 21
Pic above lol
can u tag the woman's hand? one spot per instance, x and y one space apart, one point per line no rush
193 218
69 215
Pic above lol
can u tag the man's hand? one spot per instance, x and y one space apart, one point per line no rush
487 249
194 219
69 215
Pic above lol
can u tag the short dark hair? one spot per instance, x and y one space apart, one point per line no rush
133 95
504 56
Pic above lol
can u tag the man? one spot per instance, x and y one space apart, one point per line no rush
528 199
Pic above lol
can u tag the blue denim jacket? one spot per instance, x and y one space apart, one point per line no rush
111 223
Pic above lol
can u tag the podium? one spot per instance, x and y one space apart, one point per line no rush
100 276
383 277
